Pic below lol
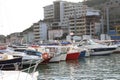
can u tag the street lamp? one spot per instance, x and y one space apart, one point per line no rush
107 16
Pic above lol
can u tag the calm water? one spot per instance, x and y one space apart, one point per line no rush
92 68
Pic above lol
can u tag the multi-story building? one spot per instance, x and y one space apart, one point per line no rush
14 38
48 13
40 31
36 30
85 25
61 11
28 35
43 30
63 15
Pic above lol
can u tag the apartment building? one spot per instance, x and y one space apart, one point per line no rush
14 38
48 13
36 30
43 26
60 12
86 25
70 17
28 35
40 31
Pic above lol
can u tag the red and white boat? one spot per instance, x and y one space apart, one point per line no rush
45 55
55 53
72 53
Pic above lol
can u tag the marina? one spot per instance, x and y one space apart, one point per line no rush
72 41
64 61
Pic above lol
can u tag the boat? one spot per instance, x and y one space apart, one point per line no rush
29 56
54 51
57 52
8 61
28 73
96 48
72 53
16 75
43 51
112 43
32 55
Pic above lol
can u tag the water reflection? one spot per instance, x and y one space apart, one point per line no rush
92 68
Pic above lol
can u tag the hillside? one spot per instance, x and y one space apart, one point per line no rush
2 38
114 13
96 3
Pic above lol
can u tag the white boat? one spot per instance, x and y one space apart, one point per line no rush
8 61
16 75
55 53
113 43
28 56
20 74
96 48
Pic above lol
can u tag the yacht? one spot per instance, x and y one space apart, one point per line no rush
96 48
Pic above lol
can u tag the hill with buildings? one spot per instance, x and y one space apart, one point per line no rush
2 38
100 4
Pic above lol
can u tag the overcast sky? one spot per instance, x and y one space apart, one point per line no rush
18 15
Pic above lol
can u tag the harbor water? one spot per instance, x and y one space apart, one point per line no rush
90 68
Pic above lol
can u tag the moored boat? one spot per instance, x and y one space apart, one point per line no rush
8 61
72 53
96 48
28 73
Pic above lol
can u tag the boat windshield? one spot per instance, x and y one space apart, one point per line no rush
91 42
87 42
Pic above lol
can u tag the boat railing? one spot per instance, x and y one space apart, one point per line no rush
29 69
32 65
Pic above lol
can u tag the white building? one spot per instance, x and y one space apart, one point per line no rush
61 11
70 17
40 31
43 30
28 37
36 32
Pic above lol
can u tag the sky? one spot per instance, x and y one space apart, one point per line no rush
18 15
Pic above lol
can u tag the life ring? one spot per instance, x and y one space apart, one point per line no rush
45 56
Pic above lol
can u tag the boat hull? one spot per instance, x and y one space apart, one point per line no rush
117 50
10 63
55 58
72 56
17 75
46 61
63 56
101 51
82 54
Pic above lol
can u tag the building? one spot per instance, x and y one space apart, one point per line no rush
70 17
60 12
111 15
14 38
36 31
55 34
28 36
40 31
43 27
86 25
